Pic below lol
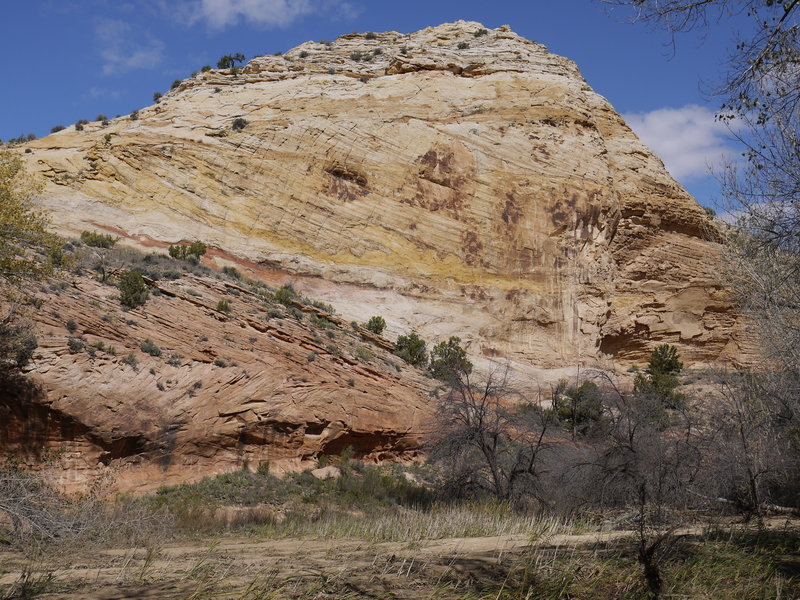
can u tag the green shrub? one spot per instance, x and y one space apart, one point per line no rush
232 272
101 117
134 116
375 325
74 344
148 347
57 128
131 360
449 360
411 348
286 294
579 407
364 354
463 45
224 305
133 290
480 32
218 362
185 252
370 35
98 240
239 123
303 54
175 84
205 68
71 326
661 376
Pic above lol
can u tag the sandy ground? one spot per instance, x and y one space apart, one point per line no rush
235 567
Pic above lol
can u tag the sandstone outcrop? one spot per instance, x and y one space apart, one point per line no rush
250 387
454 181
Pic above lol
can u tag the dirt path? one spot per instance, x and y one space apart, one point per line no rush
251 568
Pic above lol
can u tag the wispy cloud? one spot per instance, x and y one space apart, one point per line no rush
95 92
121 52
688 139
219 14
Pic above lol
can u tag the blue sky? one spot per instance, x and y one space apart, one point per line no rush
73 59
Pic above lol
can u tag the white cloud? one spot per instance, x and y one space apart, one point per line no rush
120 52
219 14
689 140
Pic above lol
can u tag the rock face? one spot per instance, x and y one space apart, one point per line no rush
251 386
454 181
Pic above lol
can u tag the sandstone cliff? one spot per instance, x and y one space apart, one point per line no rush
247 387
455 183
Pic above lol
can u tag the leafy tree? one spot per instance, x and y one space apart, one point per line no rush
578 406
133 289
229 61
27 250
375 325
449 361
188 251
411 348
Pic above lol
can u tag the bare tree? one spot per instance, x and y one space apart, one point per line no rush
490 438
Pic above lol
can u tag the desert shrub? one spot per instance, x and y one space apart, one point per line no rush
149 347
17 343
224 305
285 294
131 360
480 32
370 35
98 240
78 126
375 324
356 56
411 348
57 128
157 96
449 361
205 68
175 84
187 251
463 45
364 354
239 123
232 272
134 116
101 117
74 344
71 326
303 54
311 357
218 362
133 290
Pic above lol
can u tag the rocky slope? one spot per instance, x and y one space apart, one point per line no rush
259 384
453 181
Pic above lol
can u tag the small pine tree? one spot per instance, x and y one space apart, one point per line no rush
375 325
449 361
411 348
133 289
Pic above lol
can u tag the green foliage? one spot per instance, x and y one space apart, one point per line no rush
239 123
224 305
27 250
98 240
17 344
411 348
580 406
205 68
286 294
229 61
375 325
75 345
149 347
176 84
463 45
185 252
57 128
157 96
71 326
661 376
232 272
101 117
449 361
370 35
133 290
